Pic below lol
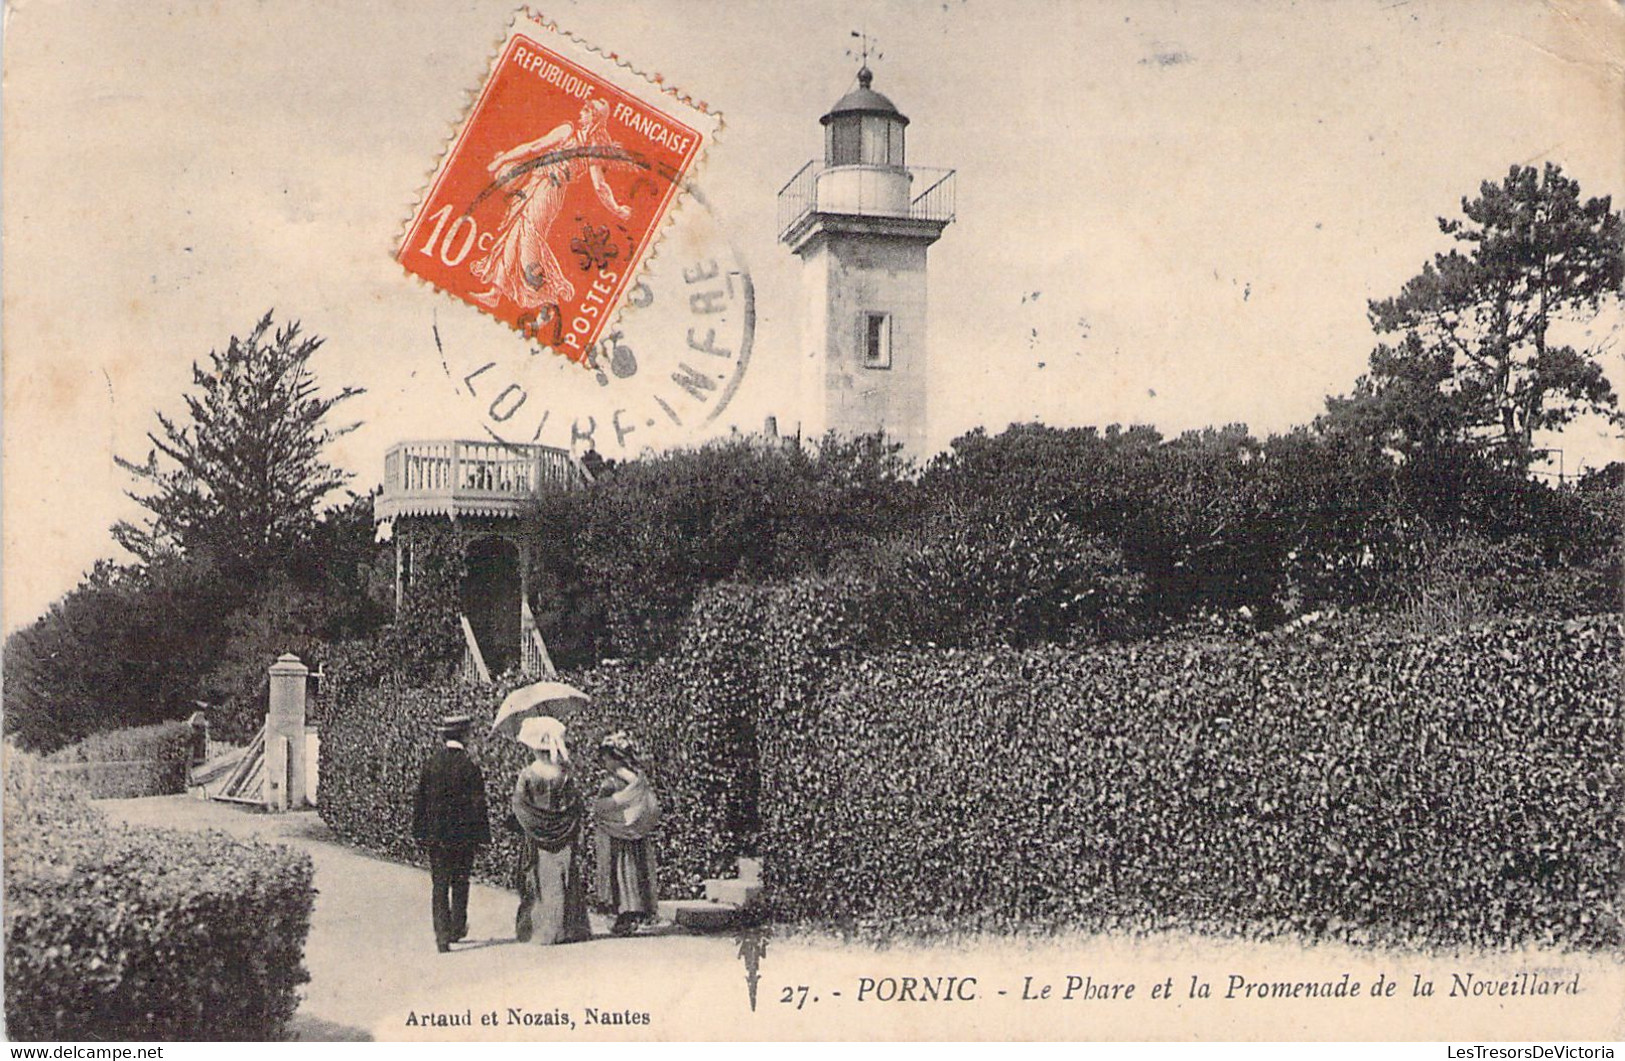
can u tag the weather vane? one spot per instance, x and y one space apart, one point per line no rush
867 46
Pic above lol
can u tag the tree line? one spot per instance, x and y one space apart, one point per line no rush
1410 494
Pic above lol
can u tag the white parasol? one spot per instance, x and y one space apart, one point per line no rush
533 701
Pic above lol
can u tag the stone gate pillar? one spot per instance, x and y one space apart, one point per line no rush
285 735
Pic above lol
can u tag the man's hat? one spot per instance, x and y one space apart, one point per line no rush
455 723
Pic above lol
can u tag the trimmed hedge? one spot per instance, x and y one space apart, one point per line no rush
127 763
1454 790
745 647
117 932
1331 780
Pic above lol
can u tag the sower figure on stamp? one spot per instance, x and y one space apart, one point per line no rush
520 265
449 820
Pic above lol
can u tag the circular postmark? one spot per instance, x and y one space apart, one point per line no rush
669 361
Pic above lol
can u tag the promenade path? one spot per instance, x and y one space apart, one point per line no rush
375 974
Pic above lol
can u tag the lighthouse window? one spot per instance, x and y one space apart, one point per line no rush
844 142
882 141
877 340
874 140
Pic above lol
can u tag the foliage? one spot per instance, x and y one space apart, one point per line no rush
240 480
279 618
126 763
140 644
1217 520
998 577
1454 790
1482 346
423 643
348 570
234 565
1599 535
1190 514
115 932
1228 783
1405 404
342 590
1470 581
128 647
627 556
696 713
426 637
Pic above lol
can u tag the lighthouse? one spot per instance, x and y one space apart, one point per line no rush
861 221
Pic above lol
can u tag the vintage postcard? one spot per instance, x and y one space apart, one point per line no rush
971 520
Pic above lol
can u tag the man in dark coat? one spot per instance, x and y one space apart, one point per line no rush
448 819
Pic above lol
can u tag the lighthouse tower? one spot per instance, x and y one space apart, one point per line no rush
861 221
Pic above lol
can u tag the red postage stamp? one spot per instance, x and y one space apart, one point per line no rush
556 187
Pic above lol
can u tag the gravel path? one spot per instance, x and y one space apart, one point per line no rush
375 974
371 952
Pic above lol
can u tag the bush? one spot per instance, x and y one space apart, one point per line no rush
126 763
1455 790
1193 514
1471 580
625 558
115 932
1003 578
137 644
128 647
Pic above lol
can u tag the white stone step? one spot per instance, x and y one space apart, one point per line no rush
739 893
702 916
750 869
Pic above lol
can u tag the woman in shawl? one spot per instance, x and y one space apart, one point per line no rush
549 809
626 813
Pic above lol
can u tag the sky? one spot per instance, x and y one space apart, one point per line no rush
1167 213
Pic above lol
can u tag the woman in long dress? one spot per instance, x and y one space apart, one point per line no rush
626 814
549 808
520 266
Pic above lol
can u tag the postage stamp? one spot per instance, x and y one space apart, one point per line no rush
664 371
556 187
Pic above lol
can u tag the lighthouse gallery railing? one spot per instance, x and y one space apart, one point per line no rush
932 196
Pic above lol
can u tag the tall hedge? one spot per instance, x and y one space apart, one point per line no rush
127 763
1462 789
748 651
1348 783
117 932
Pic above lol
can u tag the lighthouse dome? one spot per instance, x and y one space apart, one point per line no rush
864 100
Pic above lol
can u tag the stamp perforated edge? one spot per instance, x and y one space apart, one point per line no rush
612 67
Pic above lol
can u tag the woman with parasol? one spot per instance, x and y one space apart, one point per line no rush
549 809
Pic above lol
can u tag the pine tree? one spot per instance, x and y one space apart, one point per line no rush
238 483
1489 325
